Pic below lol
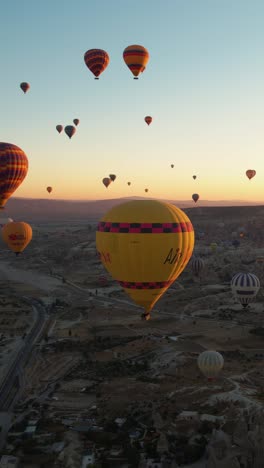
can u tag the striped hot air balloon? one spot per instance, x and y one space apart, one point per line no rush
245 287
210 363
13 170
197 265
145 245
136 58
96 60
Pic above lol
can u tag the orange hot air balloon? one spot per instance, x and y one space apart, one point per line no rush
76 122
70 130
17 236
112 177
172 166
59 128
96 60
49 189
136 58
106 181
250 173
148 119
13 170
195 197
145 245
24 86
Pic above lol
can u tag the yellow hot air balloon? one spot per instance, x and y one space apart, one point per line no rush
145 245
17 236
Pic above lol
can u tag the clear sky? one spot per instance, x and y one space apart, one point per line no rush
203 86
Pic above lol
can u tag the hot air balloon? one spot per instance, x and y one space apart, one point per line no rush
17 236
213 246
96 60
236 243
24 86
210 363
59 128
106 181
49 189
136 58
195 197
76 122
194 177
172 166
145 245
245 287
129 183
250 173
13 170
146 189
148 119
112 177
197 265
70 130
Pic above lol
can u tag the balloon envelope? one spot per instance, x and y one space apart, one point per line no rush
172 165
197 265
106 181
24 86
96 60
210 363
76 122
194 177
49 189
148 119
136 58
70 130
245 287
112 177
195 197
250 173
59 128
13 170
17 235
145 245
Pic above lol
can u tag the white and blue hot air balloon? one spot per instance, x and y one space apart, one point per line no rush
197 265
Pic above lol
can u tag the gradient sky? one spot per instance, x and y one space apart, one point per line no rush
203 86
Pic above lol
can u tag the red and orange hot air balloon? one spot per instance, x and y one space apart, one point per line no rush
136 58
13 170
195 197
59 128
148 119
17 235
106 181
96 60
49 189
250 173
70 130
24 86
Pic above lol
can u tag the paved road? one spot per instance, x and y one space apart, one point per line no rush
11 384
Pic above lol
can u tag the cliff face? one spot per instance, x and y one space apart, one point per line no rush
244 448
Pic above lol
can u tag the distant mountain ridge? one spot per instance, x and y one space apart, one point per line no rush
34 209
